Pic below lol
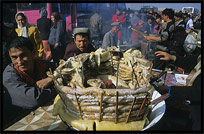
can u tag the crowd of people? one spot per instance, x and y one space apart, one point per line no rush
30 51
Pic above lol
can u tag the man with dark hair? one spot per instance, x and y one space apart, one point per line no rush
25 79
81 43
165 37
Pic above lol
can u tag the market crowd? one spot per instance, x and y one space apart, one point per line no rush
29 51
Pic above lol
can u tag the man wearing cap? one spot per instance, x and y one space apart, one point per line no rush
109 37
81 43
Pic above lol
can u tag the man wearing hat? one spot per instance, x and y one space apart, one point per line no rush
109 38
81 43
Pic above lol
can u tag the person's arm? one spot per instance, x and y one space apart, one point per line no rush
23 94
155 38
179 61
38 42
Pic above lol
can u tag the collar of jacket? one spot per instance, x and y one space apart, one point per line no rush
41 70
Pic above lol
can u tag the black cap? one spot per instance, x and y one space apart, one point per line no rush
178 14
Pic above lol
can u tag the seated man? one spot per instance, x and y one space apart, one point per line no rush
109 38
190 92
25 78
81 43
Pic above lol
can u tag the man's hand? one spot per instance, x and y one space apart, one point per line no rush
44 83
165 56
162 89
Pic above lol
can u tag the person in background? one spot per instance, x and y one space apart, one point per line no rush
8 36
56 38
184 102
80 45
26 30
124 27
133 22
96 23
189 24
135 37
44 25
25 80
109 38
179 34
157 27
121 19
165 38
148 26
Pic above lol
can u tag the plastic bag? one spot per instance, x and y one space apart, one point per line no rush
189 43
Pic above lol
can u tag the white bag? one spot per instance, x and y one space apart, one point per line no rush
189 44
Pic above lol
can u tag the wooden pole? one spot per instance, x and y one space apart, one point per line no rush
148 102
141 106
100 112
117 75
116 108
130 110
78 105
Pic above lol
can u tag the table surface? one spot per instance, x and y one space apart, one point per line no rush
43 120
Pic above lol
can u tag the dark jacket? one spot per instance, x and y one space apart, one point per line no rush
167 34
72 50
26 95
192 93
44 25
179 36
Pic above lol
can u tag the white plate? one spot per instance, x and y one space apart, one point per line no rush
157 111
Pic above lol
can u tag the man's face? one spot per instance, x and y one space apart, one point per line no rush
81 42
22 58
150 21
21 21
164 17
117 12
114 28
176 18
158 20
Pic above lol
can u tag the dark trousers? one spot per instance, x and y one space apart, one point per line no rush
57 53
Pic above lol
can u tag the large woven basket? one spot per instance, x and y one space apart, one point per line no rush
93 103
117 105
